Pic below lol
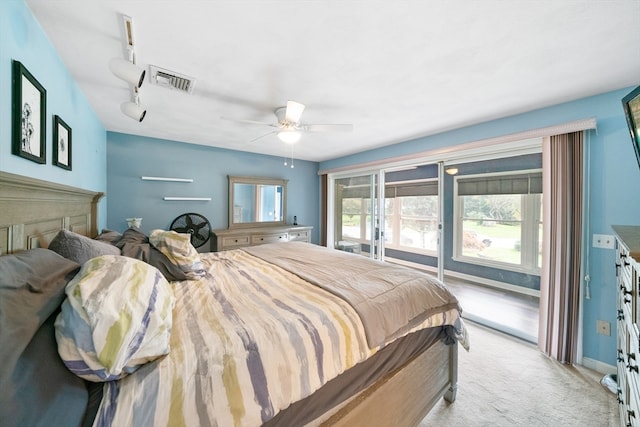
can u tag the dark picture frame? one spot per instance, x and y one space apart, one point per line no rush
29 115
631 106
61 143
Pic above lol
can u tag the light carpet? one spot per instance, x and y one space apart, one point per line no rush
504 381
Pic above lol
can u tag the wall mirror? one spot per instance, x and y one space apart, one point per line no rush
256 201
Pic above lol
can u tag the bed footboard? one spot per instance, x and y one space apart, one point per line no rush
405 396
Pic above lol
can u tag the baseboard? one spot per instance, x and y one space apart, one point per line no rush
598 366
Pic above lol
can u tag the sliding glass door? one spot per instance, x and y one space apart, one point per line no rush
356 223
389 214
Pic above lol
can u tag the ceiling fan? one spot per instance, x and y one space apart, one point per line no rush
288 127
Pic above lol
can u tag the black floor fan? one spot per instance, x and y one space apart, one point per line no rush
194 224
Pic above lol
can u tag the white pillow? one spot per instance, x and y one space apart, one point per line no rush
178 248
117 317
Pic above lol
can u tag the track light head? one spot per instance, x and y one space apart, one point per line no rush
133 110
127 71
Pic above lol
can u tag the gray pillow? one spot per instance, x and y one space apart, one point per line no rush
31 288
79 248
36 389
109 236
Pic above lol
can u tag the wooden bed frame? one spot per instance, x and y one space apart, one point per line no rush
33 211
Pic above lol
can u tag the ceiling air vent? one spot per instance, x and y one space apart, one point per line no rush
170 79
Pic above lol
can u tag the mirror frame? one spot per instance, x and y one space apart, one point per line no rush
256 181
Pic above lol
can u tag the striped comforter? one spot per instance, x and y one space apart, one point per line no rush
248 339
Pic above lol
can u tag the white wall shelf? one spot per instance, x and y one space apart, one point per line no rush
189 199
159 178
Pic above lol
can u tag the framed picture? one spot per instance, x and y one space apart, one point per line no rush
29 115
61 143
631 105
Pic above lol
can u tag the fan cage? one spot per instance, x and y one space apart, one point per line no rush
194 224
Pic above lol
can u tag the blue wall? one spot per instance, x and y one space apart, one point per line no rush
22 38
129 157
614 177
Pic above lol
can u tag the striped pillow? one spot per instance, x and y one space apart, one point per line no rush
178 248
117 317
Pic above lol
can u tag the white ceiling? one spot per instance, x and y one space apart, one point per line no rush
396 70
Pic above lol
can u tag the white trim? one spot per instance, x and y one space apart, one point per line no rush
158 178
494 283
490 147
598 366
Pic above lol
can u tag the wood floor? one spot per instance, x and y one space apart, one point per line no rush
510 312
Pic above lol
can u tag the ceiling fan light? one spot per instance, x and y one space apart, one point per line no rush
127 71
133 110
289 136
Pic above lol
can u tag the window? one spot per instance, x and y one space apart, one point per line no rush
499 220
411 216
354 208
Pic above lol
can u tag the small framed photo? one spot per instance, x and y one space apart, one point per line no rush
29 116
61 143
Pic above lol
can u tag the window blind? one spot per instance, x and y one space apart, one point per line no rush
529 183
407 190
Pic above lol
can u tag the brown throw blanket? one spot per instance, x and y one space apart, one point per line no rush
390 299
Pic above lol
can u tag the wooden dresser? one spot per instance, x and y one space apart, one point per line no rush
232 238
628 316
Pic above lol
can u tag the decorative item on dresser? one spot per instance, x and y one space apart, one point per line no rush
232 238
628 315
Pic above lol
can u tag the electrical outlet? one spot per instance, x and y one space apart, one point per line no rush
604 241
603 327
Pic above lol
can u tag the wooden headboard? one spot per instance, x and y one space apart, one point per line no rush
32 212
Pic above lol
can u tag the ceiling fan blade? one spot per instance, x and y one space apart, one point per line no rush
294 111
327 128
261 136
251 122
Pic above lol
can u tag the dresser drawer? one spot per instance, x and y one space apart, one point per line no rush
228 242
260 239
299 236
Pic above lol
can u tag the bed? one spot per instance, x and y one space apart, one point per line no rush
346 357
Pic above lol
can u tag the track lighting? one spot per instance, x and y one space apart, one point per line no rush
127 71
289 136
133 110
